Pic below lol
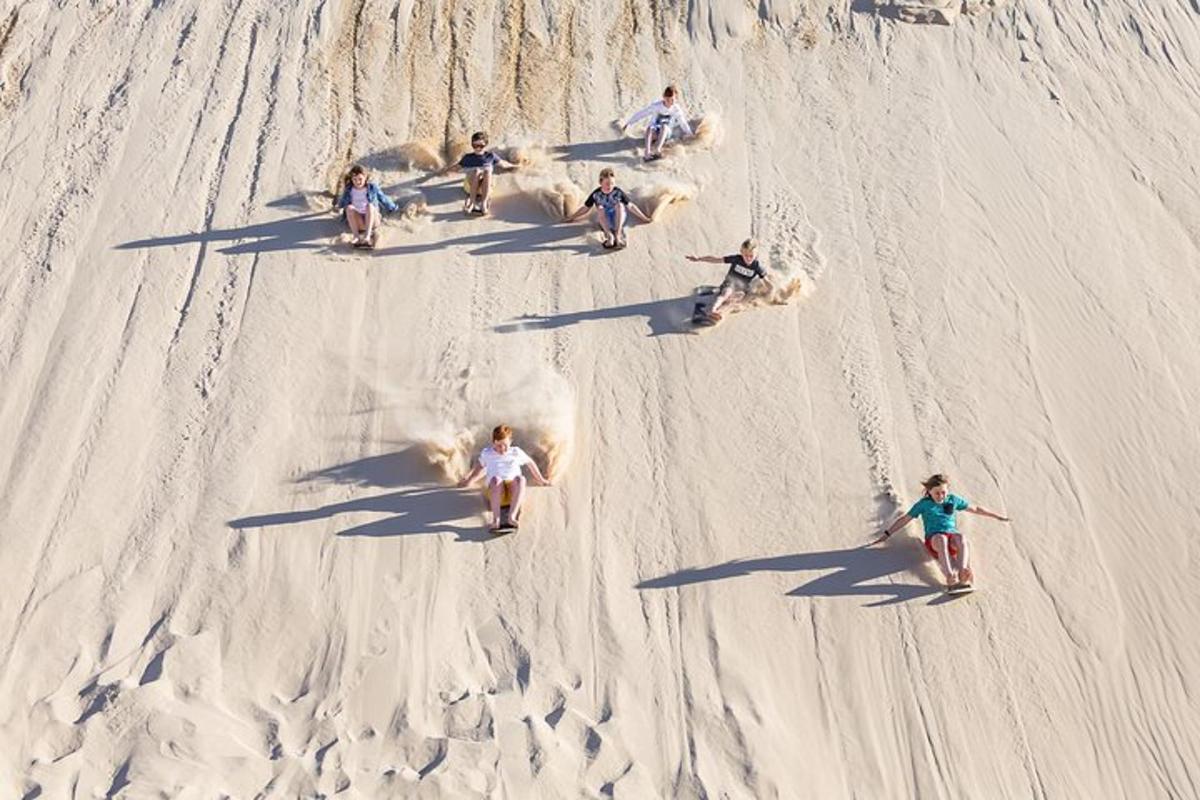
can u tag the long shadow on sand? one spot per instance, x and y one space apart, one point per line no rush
309 231
421 507
622 149
857 572
668 316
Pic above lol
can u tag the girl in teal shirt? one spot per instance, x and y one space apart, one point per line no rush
937 511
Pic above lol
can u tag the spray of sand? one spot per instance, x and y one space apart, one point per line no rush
420 155
448 425
708 132
546 198
526 155
655 198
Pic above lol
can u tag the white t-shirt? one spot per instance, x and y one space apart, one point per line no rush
661 114
505 466
358 199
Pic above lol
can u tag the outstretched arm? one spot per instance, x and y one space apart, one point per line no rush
580 213
388 203
983 512
467 479
890 529
637 212
645 112
446 170
682 120
706 259
538 478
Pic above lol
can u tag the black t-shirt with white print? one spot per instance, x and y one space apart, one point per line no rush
740 273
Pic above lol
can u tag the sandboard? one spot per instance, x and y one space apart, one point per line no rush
506 523
700 316
960 588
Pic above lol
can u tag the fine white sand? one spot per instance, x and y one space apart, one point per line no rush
235 564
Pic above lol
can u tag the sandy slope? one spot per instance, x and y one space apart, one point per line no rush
232 570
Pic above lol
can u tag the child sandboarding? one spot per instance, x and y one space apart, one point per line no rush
612 203
360 203
478 166
942 538
665 115
501 462
744 269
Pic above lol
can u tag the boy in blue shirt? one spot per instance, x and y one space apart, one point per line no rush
478 166
942 538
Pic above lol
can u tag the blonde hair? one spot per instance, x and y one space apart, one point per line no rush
750 244
501 432
608 172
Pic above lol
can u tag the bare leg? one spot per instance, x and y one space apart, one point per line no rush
372 220
649 142
942 548
664 133
727 297
619 233
518 495
472 190
496 490
963 562
485 189
355 221
609 236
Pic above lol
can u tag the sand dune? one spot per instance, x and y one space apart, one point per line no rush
236 564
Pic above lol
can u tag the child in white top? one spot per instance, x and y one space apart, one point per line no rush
665 115
502 463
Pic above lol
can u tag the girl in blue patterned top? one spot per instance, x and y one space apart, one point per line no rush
943 540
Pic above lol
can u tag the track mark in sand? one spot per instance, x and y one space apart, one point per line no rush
6 32
79 470
456 69
507 69
12 75
345 69
1091 628
214 188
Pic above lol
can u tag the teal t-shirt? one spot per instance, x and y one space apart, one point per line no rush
938 517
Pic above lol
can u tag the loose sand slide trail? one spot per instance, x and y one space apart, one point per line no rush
235 562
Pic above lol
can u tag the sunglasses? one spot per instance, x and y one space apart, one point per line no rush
478 145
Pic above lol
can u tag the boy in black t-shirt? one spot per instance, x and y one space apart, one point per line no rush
478 165
743 270
612 203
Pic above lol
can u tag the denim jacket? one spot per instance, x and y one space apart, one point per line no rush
375 196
